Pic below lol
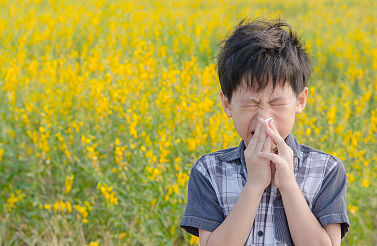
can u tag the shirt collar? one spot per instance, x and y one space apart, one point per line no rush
238 153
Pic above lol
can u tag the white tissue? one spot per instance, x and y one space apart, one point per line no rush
268 120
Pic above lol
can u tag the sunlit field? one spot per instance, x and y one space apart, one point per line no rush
106 105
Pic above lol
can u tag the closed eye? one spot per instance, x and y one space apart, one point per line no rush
250 105
277 103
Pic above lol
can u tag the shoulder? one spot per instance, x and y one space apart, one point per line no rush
209 163
319 171
317 159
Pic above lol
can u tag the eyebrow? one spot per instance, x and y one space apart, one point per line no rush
253 99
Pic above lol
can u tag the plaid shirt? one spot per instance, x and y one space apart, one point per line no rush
217 179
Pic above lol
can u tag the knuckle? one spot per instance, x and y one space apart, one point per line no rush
248 155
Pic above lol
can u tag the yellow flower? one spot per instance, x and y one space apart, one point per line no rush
56 206
308 131
88 206
194 240
68 183
331 115
352 209
67 153
13 199
182 178
191 144
109 197
69 207
62 206
176 189
366 183
153 203
1 154
350 177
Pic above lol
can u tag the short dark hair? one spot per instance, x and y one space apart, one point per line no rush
259 50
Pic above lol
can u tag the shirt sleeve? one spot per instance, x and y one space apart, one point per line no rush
202 208
330 205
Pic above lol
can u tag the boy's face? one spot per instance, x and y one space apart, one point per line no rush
246 106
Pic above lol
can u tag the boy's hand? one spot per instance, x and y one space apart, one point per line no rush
284 174
258 169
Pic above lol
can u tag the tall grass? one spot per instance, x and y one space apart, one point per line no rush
106 105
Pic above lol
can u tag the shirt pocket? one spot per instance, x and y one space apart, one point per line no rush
281 228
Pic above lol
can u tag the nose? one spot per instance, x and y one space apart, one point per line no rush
264 112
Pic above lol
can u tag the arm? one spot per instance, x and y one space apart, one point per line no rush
334 232
304 227
236 227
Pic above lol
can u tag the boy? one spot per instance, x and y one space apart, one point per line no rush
270 190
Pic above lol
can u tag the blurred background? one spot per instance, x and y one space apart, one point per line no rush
106 105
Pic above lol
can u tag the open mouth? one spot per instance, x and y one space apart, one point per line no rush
275 150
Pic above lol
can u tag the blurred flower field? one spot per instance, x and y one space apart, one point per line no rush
106 105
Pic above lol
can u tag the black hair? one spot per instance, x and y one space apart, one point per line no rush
260 50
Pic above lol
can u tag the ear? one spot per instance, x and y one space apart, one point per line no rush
226 105
301 100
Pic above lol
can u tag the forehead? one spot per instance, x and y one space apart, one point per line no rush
280 90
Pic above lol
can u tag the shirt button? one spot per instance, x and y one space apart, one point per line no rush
260 233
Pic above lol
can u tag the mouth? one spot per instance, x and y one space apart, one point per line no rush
275 150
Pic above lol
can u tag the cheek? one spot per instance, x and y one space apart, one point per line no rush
243 121
284 121
241 124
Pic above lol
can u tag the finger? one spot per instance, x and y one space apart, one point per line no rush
267 145
271 124
275 136
262 138
271 157
253 141
258 128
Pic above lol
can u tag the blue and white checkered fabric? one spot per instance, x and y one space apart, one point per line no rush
217 179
